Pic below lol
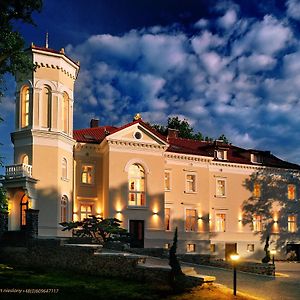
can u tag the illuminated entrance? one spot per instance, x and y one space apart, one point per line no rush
24 205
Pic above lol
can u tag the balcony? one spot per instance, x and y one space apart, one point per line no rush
16 171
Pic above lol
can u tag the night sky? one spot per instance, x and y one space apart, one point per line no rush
229 67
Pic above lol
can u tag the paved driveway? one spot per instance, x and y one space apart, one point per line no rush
265 287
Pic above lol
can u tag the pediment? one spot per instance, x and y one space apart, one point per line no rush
137 133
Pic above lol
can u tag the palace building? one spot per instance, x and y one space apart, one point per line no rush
152 183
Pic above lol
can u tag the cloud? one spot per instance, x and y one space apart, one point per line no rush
256 63
228 20
266 37
238 75
293 9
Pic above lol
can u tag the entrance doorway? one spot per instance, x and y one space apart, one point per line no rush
230 248
136 230
24 205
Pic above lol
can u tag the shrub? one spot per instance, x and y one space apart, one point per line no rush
99 229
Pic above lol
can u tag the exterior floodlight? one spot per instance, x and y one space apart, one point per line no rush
234 257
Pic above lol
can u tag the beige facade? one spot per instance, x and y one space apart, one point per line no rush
152 183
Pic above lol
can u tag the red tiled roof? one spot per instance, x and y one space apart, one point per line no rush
97 134
52 51
93 135
186 146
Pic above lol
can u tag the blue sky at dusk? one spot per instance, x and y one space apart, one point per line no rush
229 67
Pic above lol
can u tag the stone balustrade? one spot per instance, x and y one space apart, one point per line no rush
20 170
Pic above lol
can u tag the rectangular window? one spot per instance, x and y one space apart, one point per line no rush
291 192
221 154
292 223
136 192
257 223
190 248
250 247
256 190
190 183
212 248
87 174
167 218
167 181
220 222
64 209
190 220
256 158
220 187
85 211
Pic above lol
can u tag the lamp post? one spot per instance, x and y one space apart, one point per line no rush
234 257
273 252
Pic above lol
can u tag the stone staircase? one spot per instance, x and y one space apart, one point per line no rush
190 271
162 264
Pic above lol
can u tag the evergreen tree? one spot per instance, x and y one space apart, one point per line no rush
173 261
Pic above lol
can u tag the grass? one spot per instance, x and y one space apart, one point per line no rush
51 284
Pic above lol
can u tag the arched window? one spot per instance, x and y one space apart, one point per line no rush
64 209
24 205
25 107
136 185
25 160
46 106
65 113
64 167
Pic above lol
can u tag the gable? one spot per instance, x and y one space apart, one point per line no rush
137 133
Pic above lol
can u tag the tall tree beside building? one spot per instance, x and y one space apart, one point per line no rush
185 130
12 57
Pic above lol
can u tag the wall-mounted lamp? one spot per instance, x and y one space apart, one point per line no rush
119 211
275 221
200 218
240 220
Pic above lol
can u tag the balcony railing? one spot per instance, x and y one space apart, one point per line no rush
20 170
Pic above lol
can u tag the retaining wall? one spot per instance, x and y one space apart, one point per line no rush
90 260
206 259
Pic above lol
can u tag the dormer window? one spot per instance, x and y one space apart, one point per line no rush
221 154
256 158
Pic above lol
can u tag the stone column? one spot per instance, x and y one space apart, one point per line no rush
32 223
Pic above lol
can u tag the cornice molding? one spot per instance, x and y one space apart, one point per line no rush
185 157
236 165
42 65
138 145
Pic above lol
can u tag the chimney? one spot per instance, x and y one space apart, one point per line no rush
94 123
172 133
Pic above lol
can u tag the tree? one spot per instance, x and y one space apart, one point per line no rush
3 200
273 198
185 130
223 138
12 56
183 126
99 229
173 261
267 258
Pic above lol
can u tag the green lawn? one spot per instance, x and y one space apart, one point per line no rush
64 285
50 284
